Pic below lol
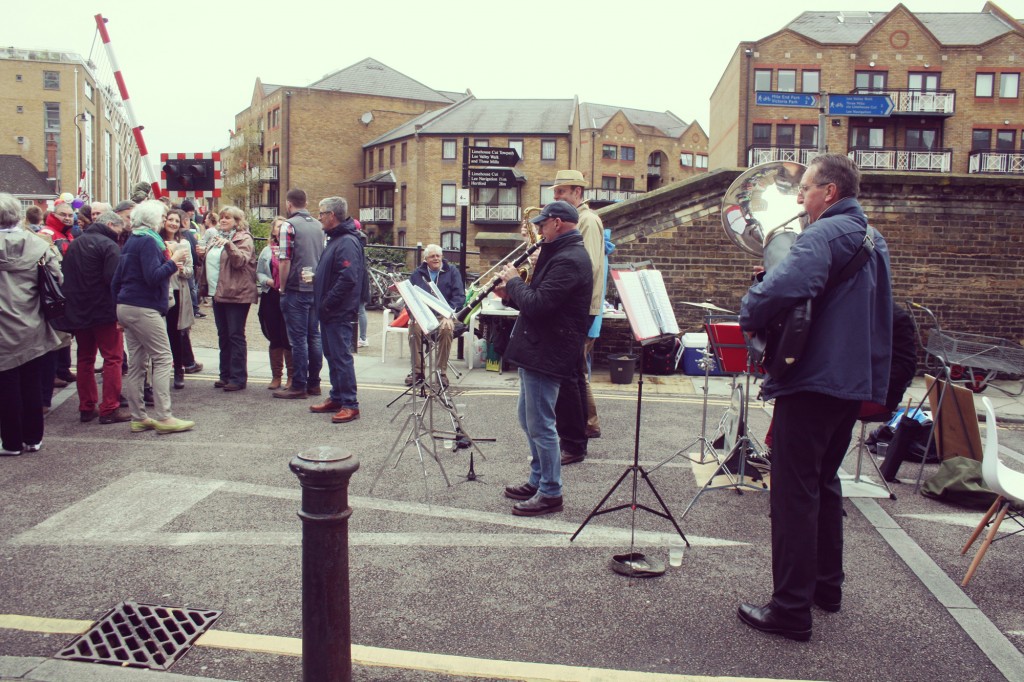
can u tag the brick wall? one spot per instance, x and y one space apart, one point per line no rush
956 244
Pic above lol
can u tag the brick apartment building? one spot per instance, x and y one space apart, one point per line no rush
59 118
954 79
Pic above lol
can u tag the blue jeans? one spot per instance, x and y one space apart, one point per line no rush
193 288
537 395
363 322
338 339
303 325
230 319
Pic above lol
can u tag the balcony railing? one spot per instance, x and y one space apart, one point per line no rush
903 159
268 173
996 162
505 213
241 139
654 170
377 214
763 154
266 212
917 101
609 195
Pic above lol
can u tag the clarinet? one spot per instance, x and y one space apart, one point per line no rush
462 314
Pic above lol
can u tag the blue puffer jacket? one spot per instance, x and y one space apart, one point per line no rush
340 275
850 343
448 281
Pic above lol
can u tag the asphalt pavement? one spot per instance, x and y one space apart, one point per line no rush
445 583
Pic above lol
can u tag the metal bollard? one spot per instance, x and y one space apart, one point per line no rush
324 473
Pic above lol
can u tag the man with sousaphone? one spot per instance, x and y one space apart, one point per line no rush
841 265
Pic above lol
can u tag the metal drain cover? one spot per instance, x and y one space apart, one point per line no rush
140 636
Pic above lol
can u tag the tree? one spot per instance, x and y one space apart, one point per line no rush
242 163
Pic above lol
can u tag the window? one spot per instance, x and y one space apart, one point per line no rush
609 151
867 137
404 198
870 80
494 196
981 139
608 182
811 81
448 201
547 150
808 136
787 80
785 135
626 183
369 155
1005 140
20 109
17 77
922 138
686 160
627 153
547 194
448 149
87 88
51 121
405 152
401 238
451 241
518 146
481 143
702 161
762 79
762 133
380 158
51 80
1008 84
923 81
391 156
983 84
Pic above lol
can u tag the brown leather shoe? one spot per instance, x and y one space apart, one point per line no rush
345 414
291 393
312 390
118 416
324 407
569 458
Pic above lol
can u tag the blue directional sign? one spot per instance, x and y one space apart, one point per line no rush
804 100
860 105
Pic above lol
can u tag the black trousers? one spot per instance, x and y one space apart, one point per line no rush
811 433
21 405
571 408
174 335
272 320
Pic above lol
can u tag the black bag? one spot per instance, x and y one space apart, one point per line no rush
52 303
660 357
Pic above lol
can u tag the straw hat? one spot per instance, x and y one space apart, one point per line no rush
570 178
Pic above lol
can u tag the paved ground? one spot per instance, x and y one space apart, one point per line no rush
445 583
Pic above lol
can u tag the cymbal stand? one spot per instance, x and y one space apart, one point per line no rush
458 436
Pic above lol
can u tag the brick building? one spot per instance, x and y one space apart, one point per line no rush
59 118
954 79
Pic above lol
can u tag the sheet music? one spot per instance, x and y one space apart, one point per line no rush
646 302
419 312
434 303
447 311
657 296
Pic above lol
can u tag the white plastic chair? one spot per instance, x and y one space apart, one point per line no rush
388 318
1004 482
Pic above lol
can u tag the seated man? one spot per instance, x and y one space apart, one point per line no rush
435 269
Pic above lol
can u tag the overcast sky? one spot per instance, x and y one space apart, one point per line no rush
190 66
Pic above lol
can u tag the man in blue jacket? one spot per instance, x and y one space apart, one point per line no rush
546 343
846 361
338 287
435 269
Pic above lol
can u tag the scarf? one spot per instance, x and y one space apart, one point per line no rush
143 231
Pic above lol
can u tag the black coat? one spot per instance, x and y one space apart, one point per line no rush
88 269
340 275
554 309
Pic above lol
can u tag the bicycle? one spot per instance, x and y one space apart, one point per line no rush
384 276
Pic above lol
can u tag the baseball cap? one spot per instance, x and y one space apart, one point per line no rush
557 209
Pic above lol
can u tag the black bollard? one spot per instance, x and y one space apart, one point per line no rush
324 473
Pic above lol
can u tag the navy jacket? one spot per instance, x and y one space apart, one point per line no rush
850 343
449 281
554 309
88 271
340 275
142 275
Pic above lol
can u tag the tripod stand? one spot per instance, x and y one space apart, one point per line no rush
636 471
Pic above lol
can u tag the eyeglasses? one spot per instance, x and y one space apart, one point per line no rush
802 189
323 213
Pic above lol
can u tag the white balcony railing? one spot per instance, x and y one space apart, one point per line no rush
654 170
597 194
266 212
505 212
268 173
996 162
917 101
757 154
937 161
377 214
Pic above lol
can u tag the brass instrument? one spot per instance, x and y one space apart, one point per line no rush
526 270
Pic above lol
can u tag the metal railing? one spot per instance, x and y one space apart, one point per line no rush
268 173
598 194
654 170
266 212
377 214
906 101
996 162
502 212
764 153
903 159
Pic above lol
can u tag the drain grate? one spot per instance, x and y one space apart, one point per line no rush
140 635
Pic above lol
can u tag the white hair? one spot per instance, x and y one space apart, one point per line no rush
149 213
431 250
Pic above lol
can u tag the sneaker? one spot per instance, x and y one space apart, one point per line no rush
118 416
144 425
4 452
363 343
198 314
29 447
174 426
194 368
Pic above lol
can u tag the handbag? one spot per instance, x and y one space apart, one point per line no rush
51 299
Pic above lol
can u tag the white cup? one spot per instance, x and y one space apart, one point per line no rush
307 274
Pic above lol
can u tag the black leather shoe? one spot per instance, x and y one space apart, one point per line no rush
766 619
220 383
520 492
828 605
87 416
568 458
179 380
537 505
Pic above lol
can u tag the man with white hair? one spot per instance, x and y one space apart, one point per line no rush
436 269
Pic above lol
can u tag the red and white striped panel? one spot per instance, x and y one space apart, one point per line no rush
218 180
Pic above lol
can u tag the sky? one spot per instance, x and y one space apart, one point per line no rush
190 68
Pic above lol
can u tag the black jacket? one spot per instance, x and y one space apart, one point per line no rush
88 269
340 275
554 309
